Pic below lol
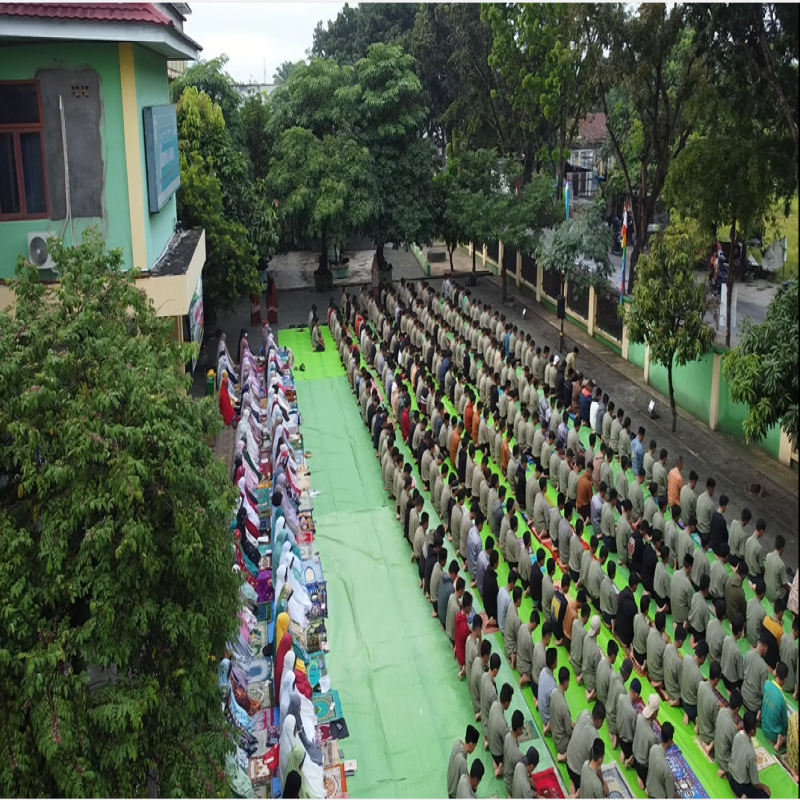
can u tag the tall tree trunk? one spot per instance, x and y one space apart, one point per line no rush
561 335
503 279
451 250
672 396
473 258
379 254
729 299
323 256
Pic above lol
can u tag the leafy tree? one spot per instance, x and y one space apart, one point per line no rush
323 187
206 156
390 120
211 78
257 134
113 527
732 176
763 370
319 96
494 205
668 307
758 43
281 75
452 45
347 38
577 249
547 54
658 71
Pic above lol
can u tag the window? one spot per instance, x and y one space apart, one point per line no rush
23 186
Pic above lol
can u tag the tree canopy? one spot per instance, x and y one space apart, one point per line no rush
762 370
116 555
347 38
389 123
668 307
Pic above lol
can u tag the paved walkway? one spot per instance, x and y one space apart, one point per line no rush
733 463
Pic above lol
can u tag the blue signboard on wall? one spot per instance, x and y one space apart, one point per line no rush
161 154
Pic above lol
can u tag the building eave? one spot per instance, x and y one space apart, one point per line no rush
167 41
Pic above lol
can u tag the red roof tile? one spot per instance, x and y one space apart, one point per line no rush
593 129
97 12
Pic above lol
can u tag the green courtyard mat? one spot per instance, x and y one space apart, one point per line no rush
389 660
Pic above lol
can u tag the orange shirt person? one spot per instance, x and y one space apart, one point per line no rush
455 438
468 413
675 483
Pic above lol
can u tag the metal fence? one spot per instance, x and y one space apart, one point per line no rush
551 283
578 300
492 251
529 271
608 319
510 260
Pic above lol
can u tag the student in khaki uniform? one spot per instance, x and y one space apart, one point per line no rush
488 695
743 773
756 673
525 648
644 738
724 731
512 755
660 782
457 766
498 727
560 719
584 735
521 784
591 658
592 783
467 785
708 709
656 644
691 677
673 665
479 666
775 572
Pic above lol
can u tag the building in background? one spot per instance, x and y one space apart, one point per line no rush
88 137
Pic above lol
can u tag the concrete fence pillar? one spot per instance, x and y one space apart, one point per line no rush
519 268
469 250
647 363
592 311
500 249
713 407
483 256
539 281
785 450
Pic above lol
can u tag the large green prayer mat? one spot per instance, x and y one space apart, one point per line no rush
389 660
336 421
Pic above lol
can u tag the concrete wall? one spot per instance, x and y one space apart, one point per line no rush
22 63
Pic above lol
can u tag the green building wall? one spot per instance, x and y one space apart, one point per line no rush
21 62
152 89
691 382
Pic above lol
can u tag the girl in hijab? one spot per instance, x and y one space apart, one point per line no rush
292 786
225 404
312 765
283 591
288 741
242 342
288 691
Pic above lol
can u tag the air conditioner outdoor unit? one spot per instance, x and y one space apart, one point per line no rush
37 249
